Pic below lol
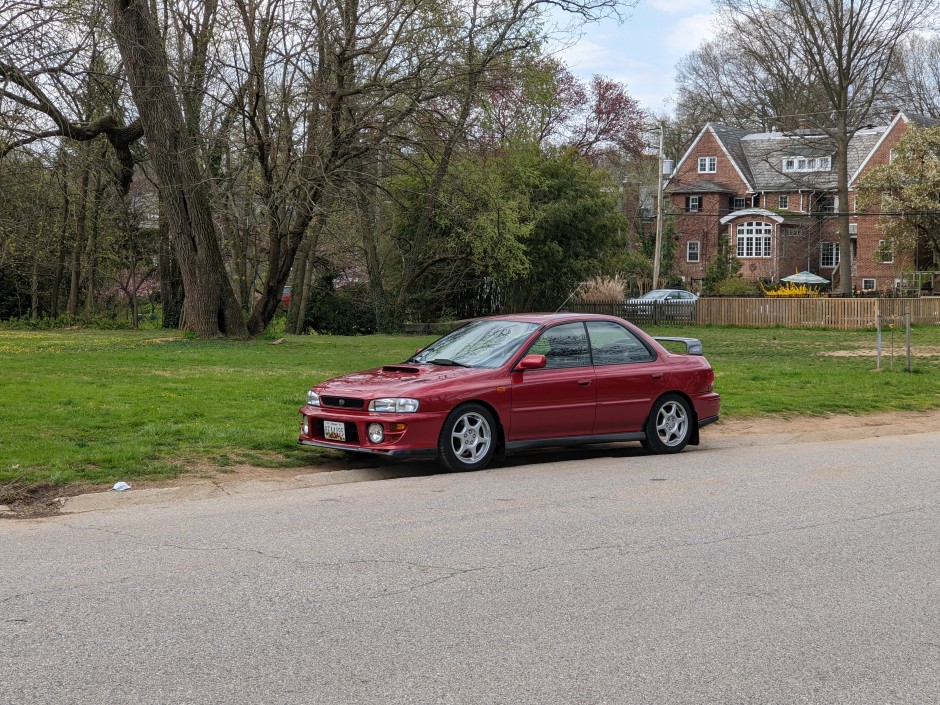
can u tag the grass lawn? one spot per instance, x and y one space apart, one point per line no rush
100 406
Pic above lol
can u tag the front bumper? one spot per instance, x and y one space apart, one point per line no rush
391 452
418 440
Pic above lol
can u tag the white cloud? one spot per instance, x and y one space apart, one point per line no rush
687 33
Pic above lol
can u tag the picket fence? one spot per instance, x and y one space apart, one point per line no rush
845 314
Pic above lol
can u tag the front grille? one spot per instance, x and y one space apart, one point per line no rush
343 402
352 433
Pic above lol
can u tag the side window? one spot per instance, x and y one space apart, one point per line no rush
563 346
612 344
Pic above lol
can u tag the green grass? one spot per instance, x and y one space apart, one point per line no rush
100 406
793 372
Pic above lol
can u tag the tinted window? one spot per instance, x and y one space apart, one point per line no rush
563 346
612 344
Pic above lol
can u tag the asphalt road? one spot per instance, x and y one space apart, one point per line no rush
762 573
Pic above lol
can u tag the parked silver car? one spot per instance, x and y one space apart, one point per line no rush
661 305
665 295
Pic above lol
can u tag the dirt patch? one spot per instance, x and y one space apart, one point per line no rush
19 500
22 500
917 351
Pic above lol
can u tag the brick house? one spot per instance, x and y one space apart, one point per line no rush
774 196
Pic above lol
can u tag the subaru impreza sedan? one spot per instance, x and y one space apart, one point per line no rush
507 383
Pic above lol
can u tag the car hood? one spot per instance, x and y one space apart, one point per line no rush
398 380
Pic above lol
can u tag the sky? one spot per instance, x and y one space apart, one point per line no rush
643 51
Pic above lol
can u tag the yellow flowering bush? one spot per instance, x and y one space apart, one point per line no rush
791 290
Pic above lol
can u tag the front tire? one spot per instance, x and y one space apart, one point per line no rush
669 426
468 438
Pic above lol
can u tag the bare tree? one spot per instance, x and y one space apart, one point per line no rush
916 85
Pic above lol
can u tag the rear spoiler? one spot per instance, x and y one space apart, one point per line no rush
693 346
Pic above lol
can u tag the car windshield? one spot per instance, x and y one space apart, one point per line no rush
655 294
486 343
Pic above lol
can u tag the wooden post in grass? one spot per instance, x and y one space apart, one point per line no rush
907 328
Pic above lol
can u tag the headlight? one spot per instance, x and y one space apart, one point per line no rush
395 406
313 399
376 433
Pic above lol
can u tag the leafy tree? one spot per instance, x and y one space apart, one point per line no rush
907 193
576 228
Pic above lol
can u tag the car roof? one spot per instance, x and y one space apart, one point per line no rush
544 318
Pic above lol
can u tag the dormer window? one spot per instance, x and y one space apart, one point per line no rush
707 165
803 164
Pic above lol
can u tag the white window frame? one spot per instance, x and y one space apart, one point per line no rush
807 164
873 287
783 202
738 203
829 255
707 165
698 204
754 239
882 248
693 251
829 209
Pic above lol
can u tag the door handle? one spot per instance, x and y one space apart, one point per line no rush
584 383
657 375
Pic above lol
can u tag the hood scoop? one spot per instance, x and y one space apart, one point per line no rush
400 368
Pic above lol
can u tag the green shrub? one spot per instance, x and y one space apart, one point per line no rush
735 286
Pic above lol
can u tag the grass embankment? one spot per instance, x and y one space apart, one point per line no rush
100 406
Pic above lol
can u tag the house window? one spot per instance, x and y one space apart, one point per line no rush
738 203
885 253
753 239
693 204
855 203
783 202
869 285
827 204
829 256
693 250
707 165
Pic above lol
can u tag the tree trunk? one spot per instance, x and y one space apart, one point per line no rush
210 307
79 242
59 274
845 239
171 282
34 291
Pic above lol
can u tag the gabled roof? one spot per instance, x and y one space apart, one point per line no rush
759 157
729 140
899 117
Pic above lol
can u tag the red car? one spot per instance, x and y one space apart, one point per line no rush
513 382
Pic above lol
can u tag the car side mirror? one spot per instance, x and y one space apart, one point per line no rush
532 362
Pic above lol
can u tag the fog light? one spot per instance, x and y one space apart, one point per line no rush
397 427
376 433
305 426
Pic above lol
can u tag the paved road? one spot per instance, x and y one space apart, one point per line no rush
756 574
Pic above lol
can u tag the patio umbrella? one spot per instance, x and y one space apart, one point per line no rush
805 278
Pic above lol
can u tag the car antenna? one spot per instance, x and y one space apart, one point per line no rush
576 289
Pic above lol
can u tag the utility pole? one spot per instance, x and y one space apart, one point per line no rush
658 249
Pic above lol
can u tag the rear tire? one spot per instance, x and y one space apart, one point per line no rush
669 426
468 438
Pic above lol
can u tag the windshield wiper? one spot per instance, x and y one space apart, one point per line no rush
444 362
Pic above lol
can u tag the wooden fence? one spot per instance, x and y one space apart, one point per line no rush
768 312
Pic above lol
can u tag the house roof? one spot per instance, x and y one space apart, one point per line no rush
702 187
759 156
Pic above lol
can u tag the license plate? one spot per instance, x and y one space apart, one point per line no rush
334 430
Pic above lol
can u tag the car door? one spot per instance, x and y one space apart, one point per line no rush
628 377
558 400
